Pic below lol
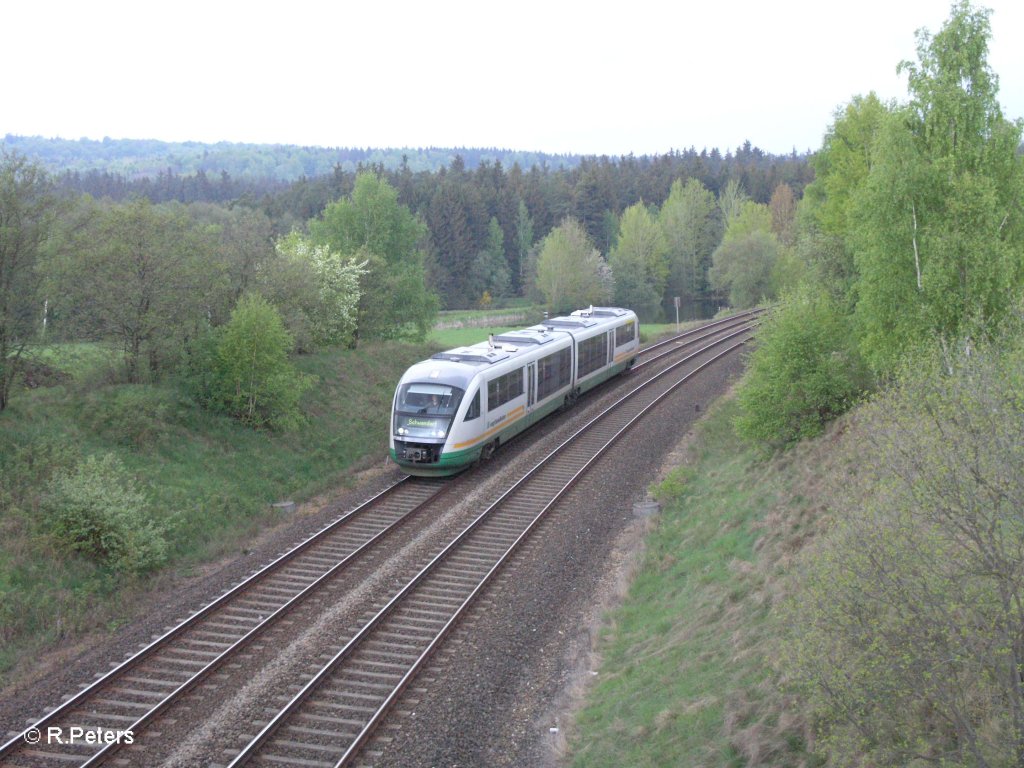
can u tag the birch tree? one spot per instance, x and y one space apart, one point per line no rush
937 226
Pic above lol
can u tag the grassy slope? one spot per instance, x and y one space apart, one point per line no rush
686 677
208 478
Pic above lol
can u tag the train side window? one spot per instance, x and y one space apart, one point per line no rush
474 407
592 354
625 333
553 372
504 388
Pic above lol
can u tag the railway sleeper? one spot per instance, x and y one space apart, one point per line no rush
119 704
384 665
429 615
348 684
359 670
259 613
337 697
78 749
227 638
306 746
312 719
166 685
174 660
189 651
343 703
266 604
438 591
319 734
150 695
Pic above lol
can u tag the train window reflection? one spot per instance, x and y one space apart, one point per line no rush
429 398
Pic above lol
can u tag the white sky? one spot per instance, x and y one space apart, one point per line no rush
643 76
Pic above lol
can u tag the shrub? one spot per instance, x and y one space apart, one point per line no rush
242 369
804 371
906 628
97 510
25 469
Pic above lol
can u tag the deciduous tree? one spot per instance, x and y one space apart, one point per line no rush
330 302
141 274
373 227
744 262
639 263
937 227
905 629
804 371
253 379
570 272
692 231
28 209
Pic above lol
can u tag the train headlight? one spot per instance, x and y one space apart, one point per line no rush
401 430
439 433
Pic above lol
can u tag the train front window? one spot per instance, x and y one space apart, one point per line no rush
425 410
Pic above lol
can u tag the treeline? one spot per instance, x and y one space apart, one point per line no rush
136 159
378 252
903 637
488 212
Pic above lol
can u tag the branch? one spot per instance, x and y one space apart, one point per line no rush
917 259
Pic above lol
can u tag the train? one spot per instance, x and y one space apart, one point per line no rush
456 408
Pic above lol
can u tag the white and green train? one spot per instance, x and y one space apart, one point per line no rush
460 405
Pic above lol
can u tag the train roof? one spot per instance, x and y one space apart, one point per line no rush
465 361
587 318
501 347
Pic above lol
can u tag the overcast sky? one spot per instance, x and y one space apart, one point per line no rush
642 76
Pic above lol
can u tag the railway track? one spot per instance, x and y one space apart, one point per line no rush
331 718
134 694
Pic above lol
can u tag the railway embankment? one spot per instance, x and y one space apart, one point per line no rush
683 669
854 598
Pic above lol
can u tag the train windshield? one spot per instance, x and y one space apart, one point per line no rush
426 410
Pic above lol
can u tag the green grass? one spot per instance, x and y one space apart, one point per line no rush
80 360
209 479
449 338
653 331
685 677
508 306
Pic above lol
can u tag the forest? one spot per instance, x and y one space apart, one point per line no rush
470 236
140 158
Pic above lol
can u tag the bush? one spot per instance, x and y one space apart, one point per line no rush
97 510
907 623
26 469
804 372
242 369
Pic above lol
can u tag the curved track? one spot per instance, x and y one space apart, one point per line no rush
135 693
330 719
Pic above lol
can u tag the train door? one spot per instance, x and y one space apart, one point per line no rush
611 347
531 385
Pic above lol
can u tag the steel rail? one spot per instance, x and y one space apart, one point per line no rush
744 316
19 741
424 657
317 680
678 343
